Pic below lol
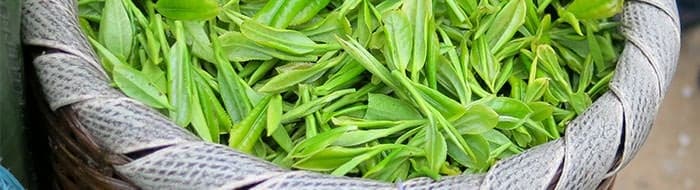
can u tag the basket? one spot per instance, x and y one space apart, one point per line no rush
103 140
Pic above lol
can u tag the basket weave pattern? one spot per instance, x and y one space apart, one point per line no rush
147 151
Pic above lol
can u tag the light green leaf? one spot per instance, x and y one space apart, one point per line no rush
116 30
512 112
505 24
357 137
435 147
288 41
382 107
188 9
136 85
398 30
179 79
274 114
246 134
477 119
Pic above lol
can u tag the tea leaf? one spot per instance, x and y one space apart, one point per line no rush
382 107
138 86
188 9
116 30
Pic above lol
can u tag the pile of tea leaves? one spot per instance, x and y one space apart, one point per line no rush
387 90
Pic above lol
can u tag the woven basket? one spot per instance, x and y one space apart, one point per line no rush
103 140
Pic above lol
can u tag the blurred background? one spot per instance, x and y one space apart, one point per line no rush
668 159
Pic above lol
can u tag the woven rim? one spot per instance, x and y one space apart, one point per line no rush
596 146
76 161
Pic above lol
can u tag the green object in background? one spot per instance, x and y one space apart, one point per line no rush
13 147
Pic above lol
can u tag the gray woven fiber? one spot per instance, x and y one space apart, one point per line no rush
452 182
302 180
596 146
198 165
533 169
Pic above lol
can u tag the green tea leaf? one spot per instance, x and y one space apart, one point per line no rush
329 158
535 89
214 113
345 168
512 112
372 124
239 48
288 13
309 11
188 9
392 167
477 119
368 61
325 31
233 92
586 77
419 13
246 133
116 30
397 31
496 137
382 107
293 77
483 62
435 147
580 102
357 137
505 24
288 41
282 138
522 137
541 110
480 147
313 105
447 107
267 13
315 144
349 74
199 121
134 84
274 114
199 40
179 79
595 9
